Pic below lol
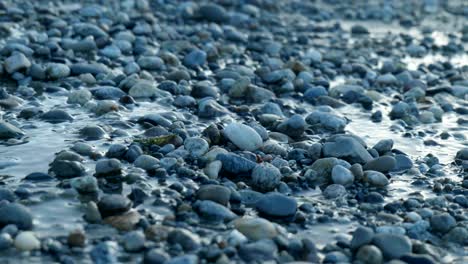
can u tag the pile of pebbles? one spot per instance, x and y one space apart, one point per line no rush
219 131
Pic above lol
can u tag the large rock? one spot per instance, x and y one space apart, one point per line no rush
256 228
276 205
113 204
347 148
393 246
215 193
244 137
8 131
16 214
234 164
265 177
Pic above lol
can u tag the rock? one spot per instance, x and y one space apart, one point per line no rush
384 146
276 205
256 228
151 63
320 172
8 131
92 132
361 236
369 254
442 222
234 164
196 146
346 148
213 12
16 214
334 191
341 175
381 164
107 167
113 204
327 121
215 193
156 256
458 235
184 259
76 238
27 241
57 70
188 240
146 162
124 222
104 252
376 178
262 251
418 258
209 108
461 155
145 89
7 195
194 59
212 211
402 163
134 241
213 168
80 97
67 169
16 62
244 137
265 177
56 116
5 241
293 126
108 93
86 184
393 246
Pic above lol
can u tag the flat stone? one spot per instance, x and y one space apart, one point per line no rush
276 205
244 137
393 246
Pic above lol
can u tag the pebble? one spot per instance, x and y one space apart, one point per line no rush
334 191
215 193
234 164
86 184
276 205
212 211
348 149
16 62
369 254
256 228
17 214
265 177
107 167
341 175
382 164
27 241
134 241
376 178
244 137
361 236
113 204
8 131
393 246
442 222
146 162
196 146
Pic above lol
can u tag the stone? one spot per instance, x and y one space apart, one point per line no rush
393 246
67 169
124 222
320 172
195 58
234 164
156 256
196 146
276 205
134 241
188 240
261 251
16 62
361 236
293 126
8 131
27 241
146 162
384 146
57 70
76 238
334 191
56 116
213 168
256 228
346 148
382 164
215 193
16 214
92 132
265 177
376 178
80 97
341 175
213 12
369 254
113 204
442 222
108 167
244 137
214 212
86 184
5 241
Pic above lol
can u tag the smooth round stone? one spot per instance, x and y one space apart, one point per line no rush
7 195
402 163
185 238
113 204
143 89
67 169
382 164
442 222
92 132
346 148
134 241
16 214
146 162
195 58
293 126
334 191
341 175
361 236
265 177
76 238
57 116
106 167
57 70
5 241
393 246
244 137
196 146
215 193
16 62
235 164
261 251
369 254
8 131
376 178
86 184
156 256
213 168
213 12
27 241
276 205
256 228
212 211
83 149
80 97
